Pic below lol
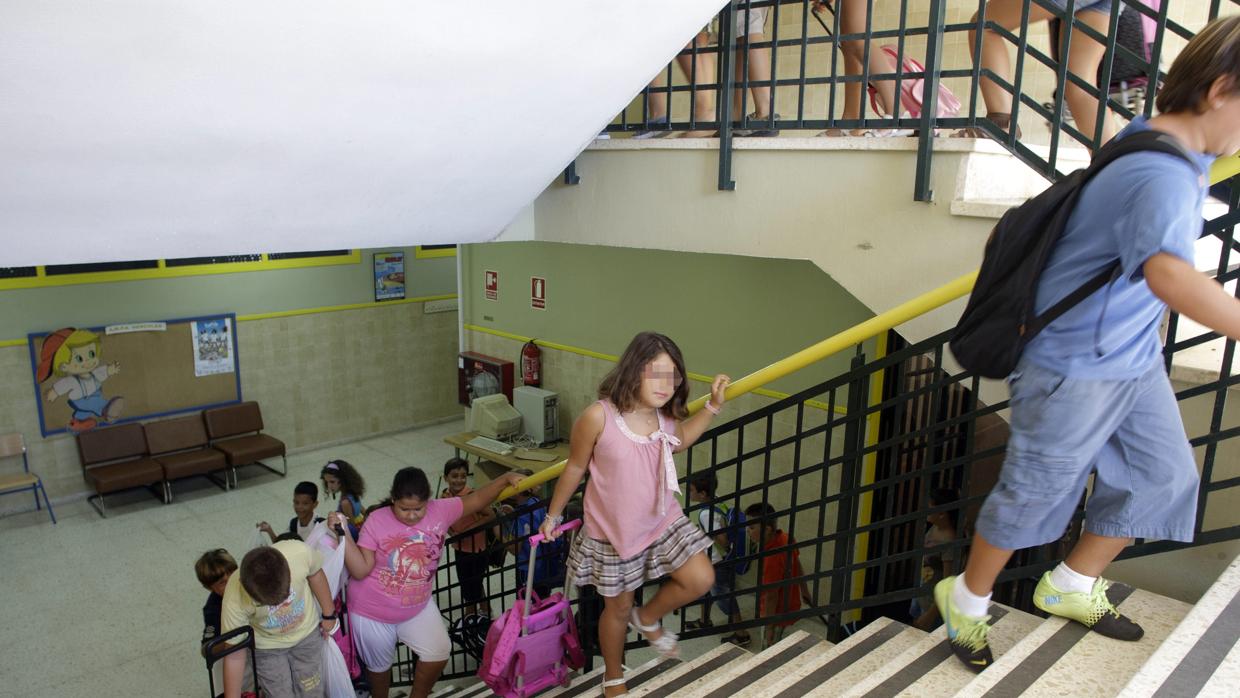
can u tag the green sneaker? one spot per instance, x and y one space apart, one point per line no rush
966 634
1093 610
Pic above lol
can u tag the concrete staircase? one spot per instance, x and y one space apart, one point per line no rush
1187 650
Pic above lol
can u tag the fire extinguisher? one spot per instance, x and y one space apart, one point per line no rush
531 364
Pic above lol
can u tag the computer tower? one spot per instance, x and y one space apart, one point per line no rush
539 413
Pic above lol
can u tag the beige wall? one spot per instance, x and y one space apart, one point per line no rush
1038 82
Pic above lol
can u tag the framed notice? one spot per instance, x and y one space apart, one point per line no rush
389 276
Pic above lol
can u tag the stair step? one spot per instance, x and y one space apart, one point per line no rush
1202 655
1061 657
929 668
591 684
687 673
732 680
830 671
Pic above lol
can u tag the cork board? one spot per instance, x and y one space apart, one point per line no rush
133 372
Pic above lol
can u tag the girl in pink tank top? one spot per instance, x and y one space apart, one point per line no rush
635 529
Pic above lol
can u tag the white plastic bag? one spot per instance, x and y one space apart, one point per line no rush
324 541
257 539
336 681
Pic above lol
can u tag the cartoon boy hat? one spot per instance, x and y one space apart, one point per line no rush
50 344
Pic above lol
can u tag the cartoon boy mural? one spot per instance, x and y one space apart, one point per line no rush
72 355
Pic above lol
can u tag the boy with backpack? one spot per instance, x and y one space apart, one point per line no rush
1090 392
726 529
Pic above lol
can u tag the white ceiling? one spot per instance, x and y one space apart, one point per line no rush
139 129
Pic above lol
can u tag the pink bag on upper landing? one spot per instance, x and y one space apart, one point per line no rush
912 87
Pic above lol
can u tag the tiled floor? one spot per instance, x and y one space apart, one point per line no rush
111 607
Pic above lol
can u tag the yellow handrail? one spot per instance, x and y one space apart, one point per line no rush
1223 168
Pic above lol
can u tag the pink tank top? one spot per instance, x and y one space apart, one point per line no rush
628 502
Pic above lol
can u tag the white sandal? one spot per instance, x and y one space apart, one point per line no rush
666 643
612 683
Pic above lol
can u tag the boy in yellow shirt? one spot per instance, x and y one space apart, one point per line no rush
279 591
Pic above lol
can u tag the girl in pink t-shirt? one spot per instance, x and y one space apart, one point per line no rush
635 529
393 564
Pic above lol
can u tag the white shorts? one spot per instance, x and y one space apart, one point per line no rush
424 633
757 20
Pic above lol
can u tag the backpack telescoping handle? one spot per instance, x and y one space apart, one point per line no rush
529 572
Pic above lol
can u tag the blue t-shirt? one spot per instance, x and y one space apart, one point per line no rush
1137 207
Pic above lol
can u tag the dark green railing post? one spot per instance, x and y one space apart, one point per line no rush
727 47
929 101
850 479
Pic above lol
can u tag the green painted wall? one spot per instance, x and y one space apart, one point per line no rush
35 310
729 314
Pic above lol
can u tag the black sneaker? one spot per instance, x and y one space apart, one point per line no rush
1094 610
736 639
965 634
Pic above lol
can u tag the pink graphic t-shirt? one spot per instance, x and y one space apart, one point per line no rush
406 557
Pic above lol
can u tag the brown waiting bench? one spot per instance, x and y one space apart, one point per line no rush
180 446
236 430
115 459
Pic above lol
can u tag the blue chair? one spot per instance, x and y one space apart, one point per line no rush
12 445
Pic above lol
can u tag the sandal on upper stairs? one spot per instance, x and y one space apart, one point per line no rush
612 683
1000 119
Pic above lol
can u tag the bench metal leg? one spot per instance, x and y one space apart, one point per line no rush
100 506
222 484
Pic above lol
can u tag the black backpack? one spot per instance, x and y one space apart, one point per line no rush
999 319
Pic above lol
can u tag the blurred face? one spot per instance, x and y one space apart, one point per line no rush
218 587
659 381
754 530
331 482
695 494
304 505
409 510
457 480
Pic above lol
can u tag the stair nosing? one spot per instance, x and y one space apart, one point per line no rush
696 672
842 661
764 667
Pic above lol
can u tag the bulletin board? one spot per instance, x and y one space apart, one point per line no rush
133 371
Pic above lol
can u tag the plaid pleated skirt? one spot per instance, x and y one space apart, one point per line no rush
596 562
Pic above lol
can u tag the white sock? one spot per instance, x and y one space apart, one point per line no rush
967 602
1067 579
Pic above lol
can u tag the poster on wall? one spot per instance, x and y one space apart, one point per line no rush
389 276
91 377
213 344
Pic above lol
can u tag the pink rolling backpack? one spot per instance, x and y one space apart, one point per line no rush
534 644
911 89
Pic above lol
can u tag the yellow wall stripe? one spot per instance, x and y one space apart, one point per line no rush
302 311
42 280
701 378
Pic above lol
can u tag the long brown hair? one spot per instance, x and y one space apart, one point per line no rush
623 385
1214 53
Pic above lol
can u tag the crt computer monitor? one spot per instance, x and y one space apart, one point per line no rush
491 415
